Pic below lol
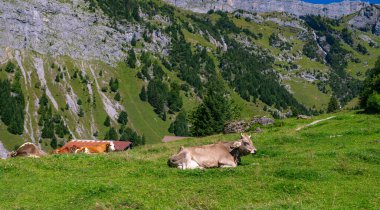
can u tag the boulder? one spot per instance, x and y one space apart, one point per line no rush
236 127
258 130
262 121
303 117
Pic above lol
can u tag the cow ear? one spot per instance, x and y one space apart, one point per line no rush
236 144
181 148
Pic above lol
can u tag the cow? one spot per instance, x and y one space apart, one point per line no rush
222 154
27 150
65 150
101 148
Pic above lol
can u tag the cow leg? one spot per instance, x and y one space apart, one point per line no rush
227 163
189 163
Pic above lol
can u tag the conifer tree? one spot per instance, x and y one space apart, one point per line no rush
370 94
54 142
333 105
142 94
117 97
180 126
111 134
214 112
107 121
132 59
123 118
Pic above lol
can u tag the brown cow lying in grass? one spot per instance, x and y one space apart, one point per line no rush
27 150
222 154
86 148
65 150
101 148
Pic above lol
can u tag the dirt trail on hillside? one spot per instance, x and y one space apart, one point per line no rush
313 123
3 151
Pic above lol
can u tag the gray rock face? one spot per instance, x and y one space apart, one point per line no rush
236 127
297 7
368 19
262 121
56 28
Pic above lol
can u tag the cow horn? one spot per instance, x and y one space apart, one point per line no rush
241 134
249 136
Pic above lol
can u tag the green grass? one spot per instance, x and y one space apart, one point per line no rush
197 39
140 114
9 140
331 165
308 94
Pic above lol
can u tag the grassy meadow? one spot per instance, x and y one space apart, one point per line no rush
331 165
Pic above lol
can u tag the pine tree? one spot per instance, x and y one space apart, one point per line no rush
111 134
10 67
180 126
57 79
81 112
54 142
123 118
114 84
370 94
143 94
333 105
134 41
117 97
132 59
107 122
214 112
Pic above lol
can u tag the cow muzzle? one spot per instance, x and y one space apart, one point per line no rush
253 151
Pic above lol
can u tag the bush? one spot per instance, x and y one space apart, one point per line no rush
123 118
107 121
373 103
10 68
369 96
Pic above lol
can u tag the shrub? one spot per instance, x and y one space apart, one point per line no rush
373 103
123 118
10 68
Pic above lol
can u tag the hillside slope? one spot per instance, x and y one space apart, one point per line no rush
69 55
330 165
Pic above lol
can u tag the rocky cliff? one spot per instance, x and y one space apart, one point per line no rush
297 7
368 19
56 28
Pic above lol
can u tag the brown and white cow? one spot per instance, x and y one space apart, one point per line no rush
65 150
222 154
27 150
101 148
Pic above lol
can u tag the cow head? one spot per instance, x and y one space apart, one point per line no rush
12 154
111 147
244 145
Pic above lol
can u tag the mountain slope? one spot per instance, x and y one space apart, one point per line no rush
69 55
296 7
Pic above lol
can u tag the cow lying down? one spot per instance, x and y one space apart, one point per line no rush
222 154
27 150
88 149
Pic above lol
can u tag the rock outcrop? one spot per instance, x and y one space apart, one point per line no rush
368 19
236 127
56 28
241 126
262 121
296 7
